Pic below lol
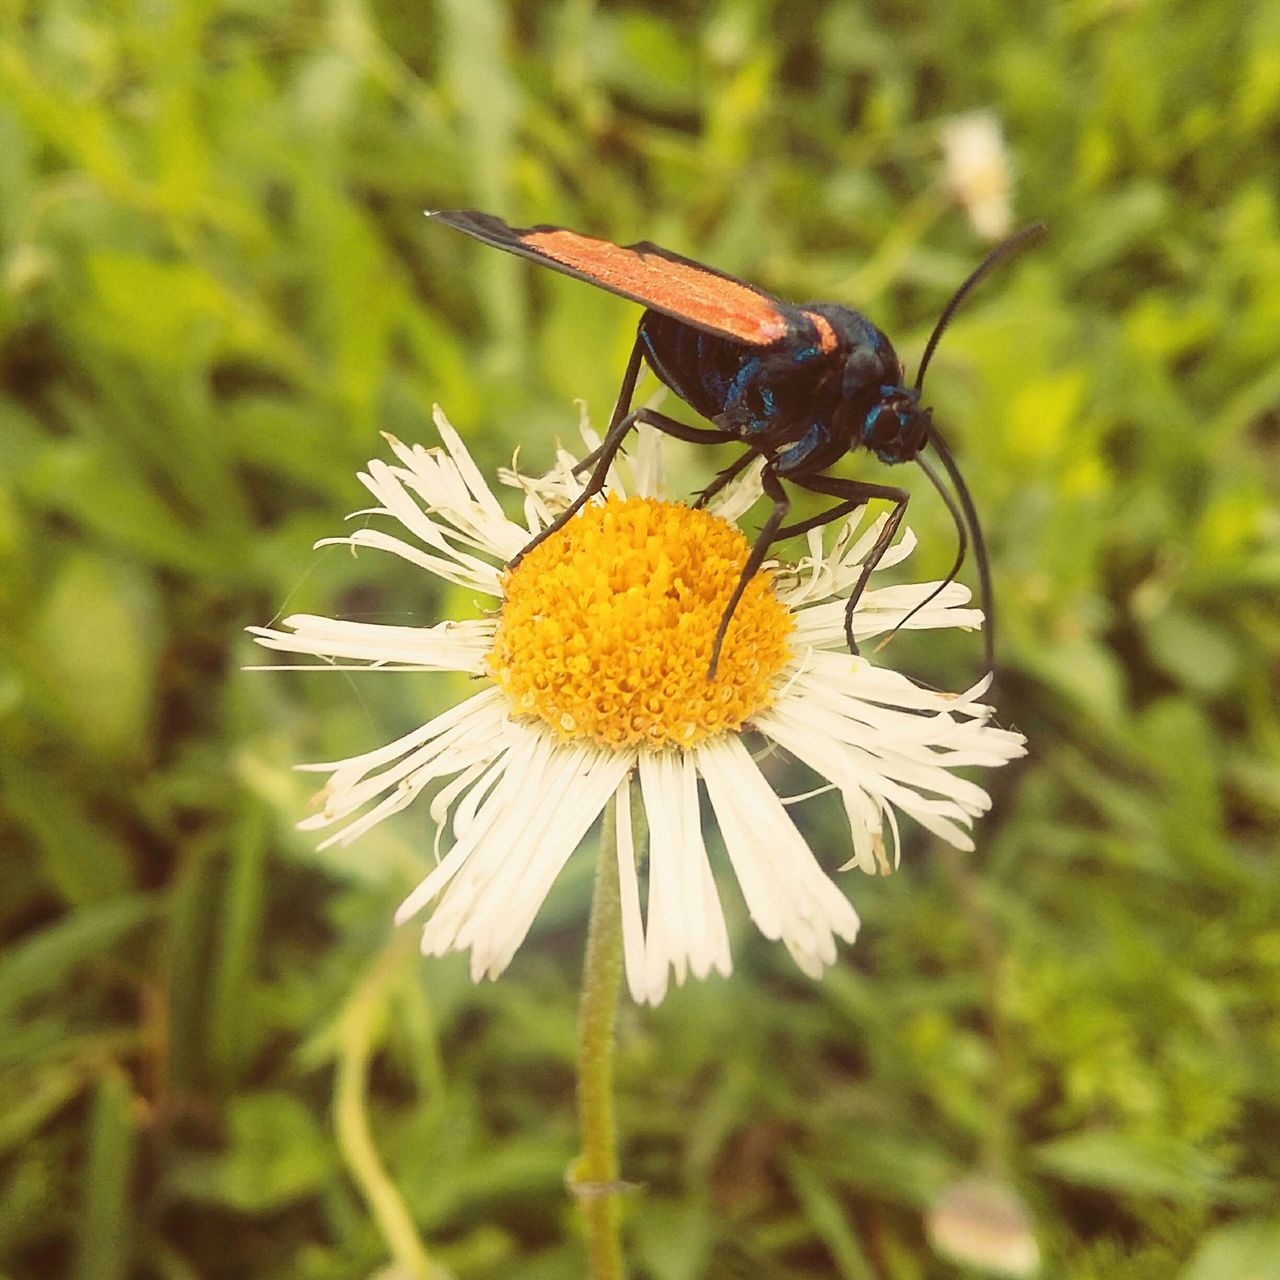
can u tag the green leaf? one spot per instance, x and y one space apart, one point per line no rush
164 313
1114 1162
115 505
231 1028
276 1155
38 965
95 641
675 1237
1198 654
830 1219
83 860
105 1223
1248 1250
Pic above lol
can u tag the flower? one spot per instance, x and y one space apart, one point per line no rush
980 1222
595 669
977 163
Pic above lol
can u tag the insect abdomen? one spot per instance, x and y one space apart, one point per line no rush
701 368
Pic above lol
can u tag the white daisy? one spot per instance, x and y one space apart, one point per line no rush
596 671
977 163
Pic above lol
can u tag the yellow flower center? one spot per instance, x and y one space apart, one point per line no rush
607 627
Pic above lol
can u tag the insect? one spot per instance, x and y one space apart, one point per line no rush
799 385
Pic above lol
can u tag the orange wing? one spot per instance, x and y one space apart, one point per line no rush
643 272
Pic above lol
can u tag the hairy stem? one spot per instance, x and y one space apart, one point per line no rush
594 1178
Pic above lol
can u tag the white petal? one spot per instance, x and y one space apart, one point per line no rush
471 474
881 755
498 874
591 790
445 745
448 646
474 574
878 612
447 796
629 893
664 935
738 497
788 895
484 704
460 522
710 949
647 462
503 893
530 790
685 924
488 810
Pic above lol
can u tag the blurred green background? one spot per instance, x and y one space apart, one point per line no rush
217 1057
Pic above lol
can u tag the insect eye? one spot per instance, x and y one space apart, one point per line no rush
886 427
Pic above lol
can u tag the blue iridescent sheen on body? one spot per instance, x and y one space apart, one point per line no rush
785 396
795 455
748 371
869 429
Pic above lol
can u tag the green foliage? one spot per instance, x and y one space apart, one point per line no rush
217 1059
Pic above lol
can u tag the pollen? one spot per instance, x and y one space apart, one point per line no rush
607 628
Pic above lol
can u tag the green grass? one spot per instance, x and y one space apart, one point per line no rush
218 287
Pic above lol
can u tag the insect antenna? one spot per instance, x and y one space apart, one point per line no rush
965 518
979 542
962 538
1004 250
965 515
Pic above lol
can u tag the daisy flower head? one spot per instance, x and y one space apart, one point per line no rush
595 670
978 171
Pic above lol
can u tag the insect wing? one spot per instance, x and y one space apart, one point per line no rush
645 273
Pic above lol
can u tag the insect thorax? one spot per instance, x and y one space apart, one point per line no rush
773 394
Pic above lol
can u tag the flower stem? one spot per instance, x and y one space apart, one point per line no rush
594 1177
358 1033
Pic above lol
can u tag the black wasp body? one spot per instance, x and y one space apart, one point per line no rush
833 384
799 386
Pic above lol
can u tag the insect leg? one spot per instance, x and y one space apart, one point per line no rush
620 409
600 459
682 430
604 460
853 494
764 540
724 477
830 516
670 427
603 456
